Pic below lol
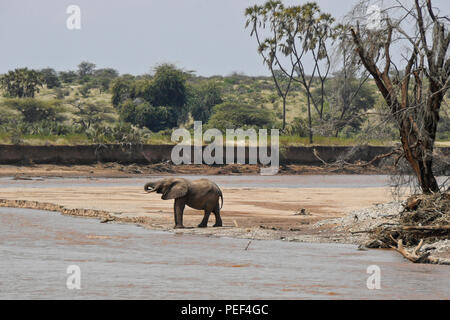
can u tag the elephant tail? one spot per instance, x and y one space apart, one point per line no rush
221 197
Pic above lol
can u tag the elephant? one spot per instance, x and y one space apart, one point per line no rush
200 194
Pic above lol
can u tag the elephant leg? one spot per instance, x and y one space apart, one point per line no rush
204 222
217 215
178 212
175 214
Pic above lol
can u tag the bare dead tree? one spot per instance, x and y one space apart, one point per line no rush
413 80
349 82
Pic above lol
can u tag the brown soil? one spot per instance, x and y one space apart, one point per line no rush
119 170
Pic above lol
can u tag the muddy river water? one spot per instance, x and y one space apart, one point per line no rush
122 261
119 261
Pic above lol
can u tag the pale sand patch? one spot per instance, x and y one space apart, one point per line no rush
272 212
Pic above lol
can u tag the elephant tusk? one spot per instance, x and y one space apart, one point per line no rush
149 188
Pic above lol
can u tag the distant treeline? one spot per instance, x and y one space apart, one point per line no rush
99 105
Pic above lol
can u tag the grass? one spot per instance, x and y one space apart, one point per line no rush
160 139
57 140
164 139
330 141
4 138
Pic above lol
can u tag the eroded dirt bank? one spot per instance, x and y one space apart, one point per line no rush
109 170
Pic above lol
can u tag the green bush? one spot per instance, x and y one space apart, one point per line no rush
61 93
85 89
157 104
298 127
21 83
68 76
234 116
35 110
50 78
6 115
122 89
202 99
123 133
143 114
155 118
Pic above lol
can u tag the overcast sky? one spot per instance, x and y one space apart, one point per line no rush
207 36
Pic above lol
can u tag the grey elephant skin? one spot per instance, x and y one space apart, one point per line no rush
200 194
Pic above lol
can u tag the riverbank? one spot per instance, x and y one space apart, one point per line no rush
317 209
291 213
116 170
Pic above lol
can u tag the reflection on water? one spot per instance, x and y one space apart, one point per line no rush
128 262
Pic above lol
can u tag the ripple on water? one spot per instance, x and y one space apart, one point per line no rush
120 261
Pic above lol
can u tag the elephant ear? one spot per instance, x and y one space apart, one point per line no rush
176 190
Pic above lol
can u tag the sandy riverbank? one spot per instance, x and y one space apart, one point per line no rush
259 213
292 208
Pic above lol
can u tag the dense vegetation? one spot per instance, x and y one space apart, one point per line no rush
93 105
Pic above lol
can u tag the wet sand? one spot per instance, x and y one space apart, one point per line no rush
121 261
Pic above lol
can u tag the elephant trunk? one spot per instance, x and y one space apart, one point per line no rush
150 187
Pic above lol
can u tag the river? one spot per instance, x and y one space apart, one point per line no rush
284 181
120 261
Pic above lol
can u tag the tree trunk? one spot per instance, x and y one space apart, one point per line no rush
322 94
418 120
420 157
427 179
309 121
422 167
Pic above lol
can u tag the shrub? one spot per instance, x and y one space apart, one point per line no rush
123 133
85 89
50 78
21 83
202 99
122 89
298 127
34 110
157 104
61 93
234 116
68 76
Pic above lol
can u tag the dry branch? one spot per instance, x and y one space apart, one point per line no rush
415 256
341 163
422 228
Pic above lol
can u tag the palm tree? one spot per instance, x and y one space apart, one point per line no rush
21 83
